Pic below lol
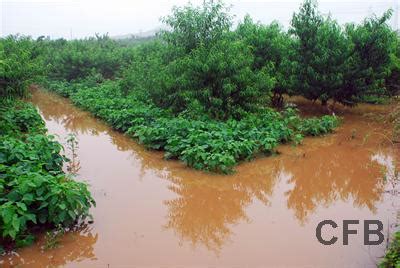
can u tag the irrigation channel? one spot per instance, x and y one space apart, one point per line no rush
157 213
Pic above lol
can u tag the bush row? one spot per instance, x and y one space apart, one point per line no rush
201 143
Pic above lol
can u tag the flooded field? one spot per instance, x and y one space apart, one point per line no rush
156 213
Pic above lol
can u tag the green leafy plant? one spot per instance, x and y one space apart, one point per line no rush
19 65
73 145
34 191
274 50
337 64
201 143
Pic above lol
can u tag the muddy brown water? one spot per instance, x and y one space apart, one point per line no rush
156 213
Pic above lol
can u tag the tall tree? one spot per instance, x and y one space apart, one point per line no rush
321 53
194 26
19 65
372 45
273 49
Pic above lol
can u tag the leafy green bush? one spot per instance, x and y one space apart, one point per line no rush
147 73
318 126
392 81
34 191
274 50
19 65
192 27
77 59
199 64
373 44
220 79
392 256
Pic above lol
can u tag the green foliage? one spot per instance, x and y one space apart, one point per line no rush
337 64
201 92
208 69
74 60
33 188
273 49
392 256
218 78
318 126
322 52
317 58
305 26
19 65
200 64
193 27
201 143
147 73
392 81
53 238
372 46
374 99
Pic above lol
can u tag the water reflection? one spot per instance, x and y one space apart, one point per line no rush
391 175
75 246
59 110
206 207
320 180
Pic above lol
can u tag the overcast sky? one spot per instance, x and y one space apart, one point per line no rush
82 18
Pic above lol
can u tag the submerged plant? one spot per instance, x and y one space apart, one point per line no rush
52 238
74 164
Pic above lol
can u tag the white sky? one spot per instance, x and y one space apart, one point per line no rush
82 18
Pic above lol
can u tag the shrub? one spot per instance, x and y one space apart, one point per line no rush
74 60
192 27
272 49
372 45
146 75
218 78
19 65
34 191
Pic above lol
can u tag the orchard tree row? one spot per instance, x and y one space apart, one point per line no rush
203 63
